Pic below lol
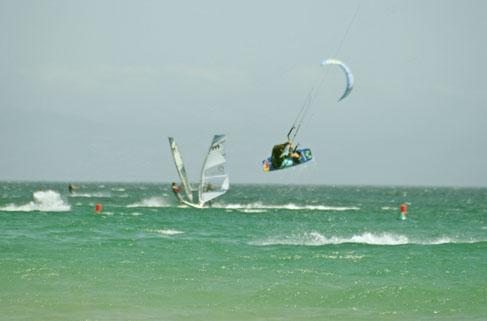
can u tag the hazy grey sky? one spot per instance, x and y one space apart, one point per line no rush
90 90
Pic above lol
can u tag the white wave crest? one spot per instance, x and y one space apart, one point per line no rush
150 202
252 210
289 206
317 239
168 232
90 195
44 201
444 240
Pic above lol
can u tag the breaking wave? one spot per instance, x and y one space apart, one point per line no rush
290 206
90 195
252 210
317 239
150 202
44 201
168 232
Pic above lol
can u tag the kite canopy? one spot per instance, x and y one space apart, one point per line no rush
348 74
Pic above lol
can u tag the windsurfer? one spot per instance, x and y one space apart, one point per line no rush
71 188
176 190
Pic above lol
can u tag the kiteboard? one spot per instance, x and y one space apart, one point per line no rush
305 154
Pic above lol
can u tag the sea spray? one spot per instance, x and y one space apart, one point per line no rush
150 202
44 201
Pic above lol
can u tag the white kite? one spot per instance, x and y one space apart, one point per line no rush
348 74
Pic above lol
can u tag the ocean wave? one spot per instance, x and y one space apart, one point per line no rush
167 232
317 239
289 206
252 210
150 202
44 201
90 195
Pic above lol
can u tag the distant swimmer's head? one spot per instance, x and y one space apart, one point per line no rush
173 183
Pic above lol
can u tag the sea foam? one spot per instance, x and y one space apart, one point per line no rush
166 232
91 195
318 239
289 206
44 201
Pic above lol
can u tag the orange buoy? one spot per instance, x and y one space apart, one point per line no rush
98 208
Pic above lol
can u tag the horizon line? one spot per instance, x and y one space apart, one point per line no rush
248 183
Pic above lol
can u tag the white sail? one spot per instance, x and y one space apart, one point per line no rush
178 160
214 174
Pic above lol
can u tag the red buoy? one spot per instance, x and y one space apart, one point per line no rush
404 208
98 208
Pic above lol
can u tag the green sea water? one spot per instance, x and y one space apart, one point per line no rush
260 253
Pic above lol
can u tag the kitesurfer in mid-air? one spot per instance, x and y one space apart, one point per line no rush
281 157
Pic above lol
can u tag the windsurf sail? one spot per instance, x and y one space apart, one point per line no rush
178 160
348 75
214 174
